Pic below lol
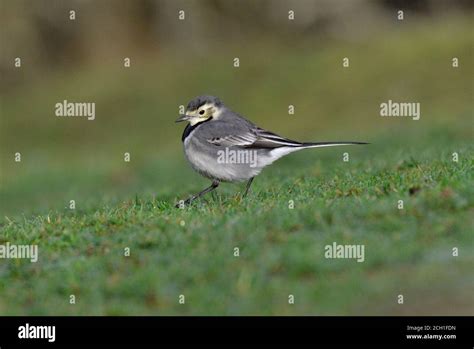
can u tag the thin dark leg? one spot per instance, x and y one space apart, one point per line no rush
213 186
249 183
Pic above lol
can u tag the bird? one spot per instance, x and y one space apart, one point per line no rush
224 146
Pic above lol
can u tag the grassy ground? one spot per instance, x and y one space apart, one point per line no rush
191 251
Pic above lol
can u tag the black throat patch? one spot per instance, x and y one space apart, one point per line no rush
189 128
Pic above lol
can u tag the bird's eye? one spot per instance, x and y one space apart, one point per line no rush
201 112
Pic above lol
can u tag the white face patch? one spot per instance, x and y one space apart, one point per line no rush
196 120
210 110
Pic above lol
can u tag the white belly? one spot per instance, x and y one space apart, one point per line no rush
204 159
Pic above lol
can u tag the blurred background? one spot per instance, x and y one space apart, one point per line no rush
282 62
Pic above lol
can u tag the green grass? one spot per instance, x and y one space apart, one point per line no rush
281 250
191 251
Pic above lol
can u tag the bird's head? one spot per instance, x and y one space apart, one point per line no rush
201 109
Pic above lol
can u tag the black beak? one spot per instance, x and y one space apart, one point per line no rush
182 118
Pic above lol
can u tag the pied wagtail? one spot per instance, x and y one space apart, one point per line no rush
225 147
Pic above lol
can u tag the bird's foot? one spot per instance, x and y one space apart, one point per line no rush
183 203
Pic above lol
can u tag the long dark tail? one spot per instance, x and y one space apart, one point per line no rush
271 140
326 144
